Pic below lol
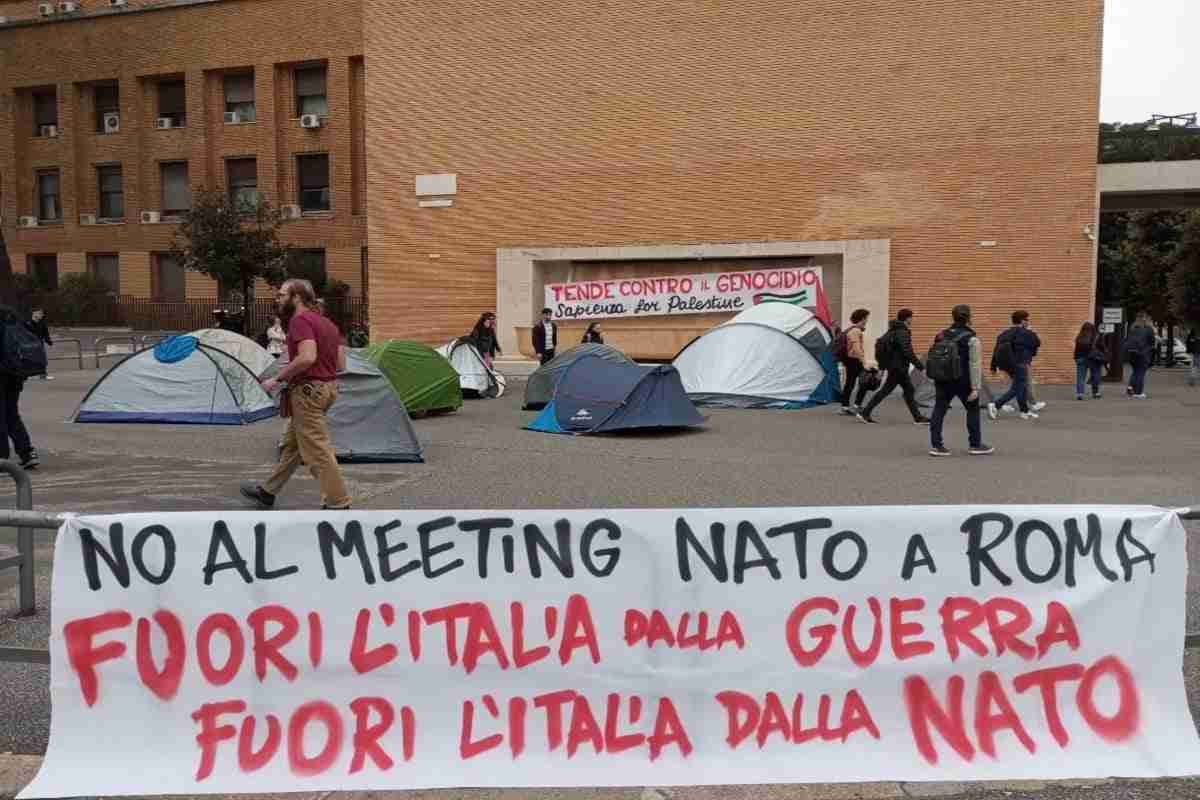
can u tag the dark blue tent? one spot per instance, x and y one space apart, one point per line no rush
595 395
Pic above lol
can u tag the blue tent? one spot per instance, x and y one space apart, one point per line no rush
595 395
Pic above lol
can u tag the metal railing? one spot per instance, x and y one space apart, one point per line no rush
78 350
133 346
23 560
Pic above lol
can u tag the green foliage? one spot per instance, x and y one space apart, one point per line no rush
1185 277
1151 262
235 244
79 297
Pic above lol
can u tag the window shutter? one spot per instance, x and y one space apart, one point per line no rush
310 81
239 88
177 195
242 171
314 172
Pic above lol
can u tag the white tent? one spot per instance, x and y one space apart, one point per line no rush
244 350
474 376
773 355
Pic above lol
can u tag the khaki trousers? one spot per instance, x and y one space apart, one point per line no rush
307 439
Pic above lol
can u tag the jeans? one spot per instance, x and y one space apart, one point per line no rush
307 439
546 356
947 392
854 369
1137 383
1089 369
1018 390
896 377
14 426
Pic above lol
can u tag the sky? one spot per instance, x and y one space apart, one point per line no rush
1151 59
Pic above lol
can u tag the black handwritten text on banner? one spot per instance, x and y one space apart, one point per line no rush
376 650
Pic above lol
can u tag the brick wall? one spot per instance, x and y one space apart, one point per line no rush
936 125
198 44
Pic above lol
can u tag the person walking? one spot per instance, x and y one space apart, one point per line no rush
955 364
894 353
593 334
853 357
1139 352
545 336
315 356
484 337
1015 350
1192 345
1089 360
276 338
12 383
37 324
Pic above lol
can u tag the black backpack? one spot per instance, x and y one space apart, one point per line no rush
885 348
943 363
22 352
841 346
1005 357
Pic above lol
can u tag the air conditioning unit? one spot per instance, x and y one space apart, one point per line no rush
232 118
87 219
310 121
48 131
290 211
164 123
3 20
151 217
112 122
27 222
46 9
116 3
68 7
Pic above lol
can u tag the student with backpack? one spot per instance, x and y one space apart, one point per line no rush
1089 360
1015 351
22 356
1139 352
894 353
955 365
848 348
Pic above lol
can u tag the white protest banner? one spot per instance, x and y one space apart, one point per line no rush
272 652
685 294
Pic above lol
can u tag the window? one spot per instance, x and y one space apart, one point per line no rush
169 281
48 205
44 270
243 182
176 194
309 264
112 193
108 101
310 91
172 102
45 112
107 267
314 182
239 96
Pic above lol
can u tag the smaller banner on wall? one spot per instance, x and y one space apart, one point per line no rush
302 652
712 292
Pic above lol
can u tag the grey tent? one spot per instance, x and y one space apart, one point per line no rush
368 422
540 387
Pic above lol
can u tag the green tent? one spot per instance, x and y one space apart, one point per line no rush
423 379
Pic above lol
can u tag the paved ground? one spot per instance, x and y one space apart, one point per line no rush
1114 450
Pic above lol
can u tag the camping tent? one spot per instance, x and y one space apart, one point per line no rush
179 380
773 355
367 422
474 375
595 395
244 350
540 387
420 376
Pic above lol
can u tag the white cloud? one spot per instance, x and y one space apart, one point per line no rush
1151 59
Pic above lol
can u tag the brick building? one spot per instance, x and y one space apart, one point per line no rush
920 154
111 114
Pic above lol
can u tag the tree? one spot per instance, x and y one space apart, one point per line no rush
1142 263
233 243
1185 277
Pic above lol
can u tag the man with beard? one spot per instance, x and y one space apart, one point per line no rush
315 357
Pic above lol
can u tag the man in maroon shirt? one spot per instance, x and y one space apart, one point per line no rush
315 356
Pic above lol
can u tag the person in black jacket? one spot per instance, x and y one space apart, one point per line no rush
37 324
11 386
593 334
545 336
1139 352
484 337
1024 348
895 353
1192 345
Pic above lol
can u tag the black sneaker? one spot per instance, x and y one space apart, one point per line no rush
259 495
327 508
31 460
939 451
982 450
921 421
866 419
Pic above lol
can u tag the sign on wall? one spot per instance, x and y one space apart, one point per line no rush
276 652
684 294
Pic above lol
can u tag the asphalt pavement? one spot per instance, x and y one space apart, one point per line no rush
1114 450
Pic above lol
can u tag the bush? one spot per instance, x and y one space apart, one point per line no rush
80 298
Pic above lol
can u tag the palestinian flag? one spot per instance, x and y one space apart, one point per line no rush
804 297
